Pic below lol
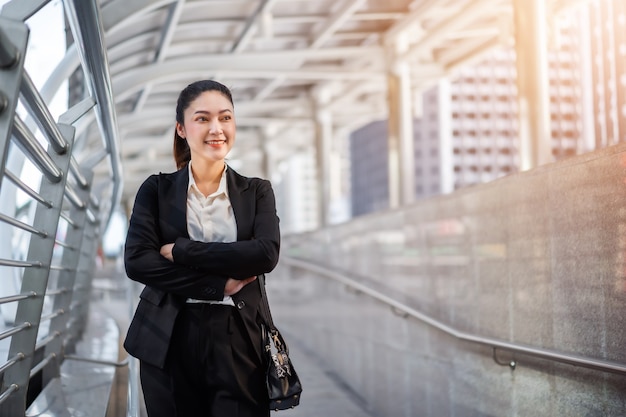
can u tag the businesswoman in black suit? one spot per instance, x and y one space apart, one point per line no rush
198 238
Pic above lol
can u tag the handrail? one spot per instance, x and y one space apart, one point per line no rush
84 19
21 225
14 298
117 364
15 329
42 115
22 186
72 196
33 148
577 360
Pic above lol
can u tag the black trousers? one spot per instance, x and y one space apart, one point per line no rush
211 370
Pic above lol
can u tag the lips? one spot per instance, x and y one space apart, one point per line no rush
215 142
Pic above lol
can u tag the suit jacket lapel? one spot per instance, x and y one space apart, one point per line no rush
180 185
237 186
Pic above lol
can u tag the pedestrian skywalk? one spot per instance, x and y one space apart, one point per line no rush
325 394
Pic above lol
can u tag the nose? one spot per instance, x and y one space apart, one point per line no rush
215 128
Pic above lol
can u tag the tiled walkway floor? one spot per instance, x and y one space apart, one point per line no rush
323 393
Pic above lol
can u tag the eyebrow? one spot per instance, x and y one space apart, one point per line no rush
208 112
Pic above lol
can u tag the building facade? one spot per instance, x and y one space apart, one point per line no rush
474 115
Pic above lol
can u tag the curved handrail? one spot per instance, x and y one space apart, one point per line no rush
598 364
84 18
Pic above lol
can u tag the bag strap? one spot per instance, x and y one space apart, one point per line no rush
265 306
266 315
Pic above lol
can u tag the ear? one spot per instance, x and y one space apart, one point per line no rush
180 129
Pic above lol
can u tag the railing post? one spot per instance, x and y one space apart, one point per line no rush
35 280
65 283
13 43
84 273
9 55
84 268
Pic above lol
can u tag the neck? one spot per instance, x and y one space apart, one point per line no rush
207 174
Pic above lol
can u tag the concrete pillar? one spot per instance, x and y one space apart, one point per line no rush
532 83
446 160
400 136
323 138
267 155
340 176
588 142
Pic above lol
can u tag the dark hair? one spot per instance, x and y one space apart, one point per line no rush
182 154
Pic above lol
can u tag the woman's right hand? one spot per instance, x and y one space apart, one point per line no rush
233 286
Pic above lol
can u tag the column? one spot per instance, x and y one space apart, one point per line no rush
400 136
446 147
323 137
267 151
532 83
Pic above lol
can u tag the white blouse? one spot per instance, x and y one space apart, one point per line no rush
210 218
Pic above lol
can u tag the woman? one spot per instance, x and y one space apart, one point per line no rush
197 239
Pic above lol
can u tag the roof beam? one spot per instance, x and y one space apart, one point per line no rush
268 59
332 24
130 81
173 16
467 14
268 89
118 12
409 21
248 31
466 49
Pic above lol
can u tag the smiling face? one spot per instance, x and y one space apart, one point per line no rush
209 127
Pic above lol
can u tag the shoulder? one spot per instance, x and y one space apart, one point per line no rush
148 184
158 181
243 182
172 176
164 178
167 176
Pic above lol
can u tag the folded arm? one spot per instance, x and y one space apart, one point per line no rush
145 264
240 259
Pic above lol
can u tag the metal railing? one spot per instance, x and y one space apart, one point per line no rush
49 242
398 307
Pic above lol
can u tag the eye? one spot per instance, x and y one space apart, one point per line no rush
202 119
226 118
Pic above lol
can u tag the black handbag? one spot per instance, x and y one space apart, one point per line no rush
283 385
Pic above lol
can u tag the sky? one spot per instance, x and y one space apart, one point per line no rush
46 48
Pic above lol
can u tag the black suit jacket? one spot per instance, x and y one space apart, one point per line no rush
200 269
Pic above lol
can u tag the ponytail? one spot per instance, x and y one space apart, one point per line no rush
182 153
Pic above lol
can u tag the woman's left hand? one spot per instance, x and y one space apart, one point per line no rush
166 251
233 286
